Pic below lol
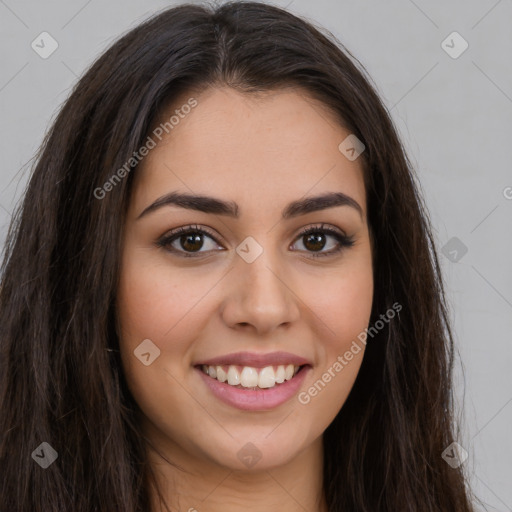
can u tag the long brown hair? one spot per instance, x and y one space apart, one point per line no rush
61 375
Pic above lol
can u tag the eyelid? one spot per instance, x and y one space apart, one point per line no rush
323 226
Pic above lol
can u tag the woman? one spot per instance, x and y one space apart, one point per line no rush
221 290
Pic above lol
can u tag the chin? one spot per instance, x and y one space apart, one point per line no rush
258 449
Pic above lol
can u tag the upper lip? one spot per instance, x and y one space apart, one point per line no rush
256 360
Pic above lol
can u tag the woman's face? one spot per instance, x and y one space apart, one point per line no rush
242 294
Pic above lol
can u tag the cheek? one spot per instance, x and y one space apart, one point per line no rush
159 302
343 302
344 305
346 314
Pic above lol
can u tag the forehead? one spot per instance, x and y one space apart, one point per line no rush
263 150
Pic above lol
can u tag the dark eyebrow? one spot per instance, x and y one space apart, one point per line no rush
208 204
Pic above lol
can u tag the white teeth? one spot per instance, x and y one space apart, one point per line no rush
267 378
280 374
249 377
233 376
222 376
288 372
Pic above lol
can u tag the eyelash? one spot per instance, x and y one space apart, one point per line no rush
344 241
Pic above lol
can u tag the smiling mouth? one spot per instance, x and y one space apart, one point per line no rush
250 378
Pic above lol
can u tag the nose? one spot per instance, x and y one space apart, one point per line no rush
260 297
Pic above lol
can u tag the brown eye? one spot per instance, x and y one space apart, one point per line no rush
188 241
191 242
315 239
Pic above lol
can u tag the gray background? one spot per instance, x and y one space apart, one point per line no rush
455 118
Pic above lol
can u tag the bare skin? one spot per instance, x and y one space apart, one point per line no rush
262 153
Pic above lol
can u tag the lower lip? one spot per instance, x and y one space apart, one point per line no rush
255 400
